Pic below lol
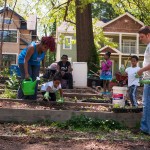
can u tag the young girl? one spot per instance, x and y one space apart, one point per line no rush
106 72
50 88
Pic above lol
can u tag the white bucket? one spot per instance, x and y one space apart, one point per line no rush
119 94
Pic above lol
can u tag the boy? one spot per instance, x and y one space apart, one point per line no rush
144 35
133 82
50 88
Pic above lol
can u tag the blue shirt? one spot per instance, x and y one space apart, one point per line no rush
35 59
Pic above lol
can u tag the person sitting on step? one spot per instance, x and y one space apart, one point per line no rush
64 67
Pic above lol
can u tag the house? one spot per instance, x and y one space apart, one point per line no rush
66 47
122 30
15 35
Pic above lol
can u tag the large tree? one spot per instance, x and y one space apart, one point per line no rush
86 50
103 10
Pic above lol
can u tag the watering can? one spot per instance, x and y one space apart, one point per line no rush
28 86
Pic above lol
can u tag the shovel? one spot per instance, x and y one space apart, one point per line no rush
125 66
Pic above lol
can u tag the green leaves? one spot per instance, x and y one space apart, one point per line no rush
8 94
140 9
83 122
13 82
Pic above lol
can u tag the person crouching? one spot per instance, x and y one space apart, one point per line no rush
49 89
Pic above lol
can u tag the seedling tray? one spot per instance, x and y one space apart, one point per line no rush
127 110
97 101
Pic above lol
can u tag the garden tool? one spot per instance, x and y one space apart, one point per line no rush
97 66
28 86
94 73
125 66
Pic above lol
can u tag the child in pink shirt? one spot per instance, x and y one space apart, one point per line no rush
106 73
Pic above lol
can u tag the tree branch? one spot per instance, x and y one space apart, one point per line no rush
66 13
12 14
54 7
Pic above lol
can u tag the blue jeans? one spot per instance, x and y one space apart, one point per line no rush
33 72
132 95
145 121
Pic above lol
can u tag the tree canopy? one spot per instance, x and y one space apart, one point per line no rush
52 13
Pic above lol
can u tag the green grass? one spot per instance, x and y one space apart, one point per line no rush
78 127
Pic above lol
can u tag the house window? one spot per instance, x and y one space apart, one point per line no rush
9 36
6 21
67 42
8 59
129 46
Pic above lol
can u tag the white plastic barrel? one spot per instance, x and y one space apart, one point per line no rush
119 94
79 74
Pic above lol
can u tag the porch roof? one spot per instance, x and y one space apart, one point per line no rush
109 49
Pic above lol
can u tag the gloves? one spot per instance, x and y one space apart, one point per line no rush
145 81
136 75
46 95
38 78
61 100
104 61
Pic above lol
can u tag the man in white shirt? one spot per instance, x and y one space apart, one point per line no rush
144 35
133 82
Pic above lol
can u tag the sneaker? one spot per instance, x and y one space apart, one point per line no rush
108 93
143 132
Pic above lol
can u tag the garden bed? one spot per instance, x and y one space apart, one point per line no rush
27 104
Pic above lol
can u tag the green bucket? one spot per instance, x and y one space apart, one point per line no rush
28 86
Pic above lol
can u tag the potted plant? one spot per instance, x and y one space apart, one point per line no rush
113 82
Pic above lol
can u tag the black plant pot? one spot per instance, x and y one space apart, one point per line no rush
127 110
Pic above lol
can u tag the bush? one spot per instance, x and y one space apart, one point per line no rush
13 82
8 94
83 122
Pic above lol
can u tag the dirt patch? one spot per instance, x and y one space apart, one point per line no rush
41 137
38 144
50 106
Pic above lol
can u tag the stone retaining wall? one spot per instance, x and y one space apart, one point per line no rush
31 116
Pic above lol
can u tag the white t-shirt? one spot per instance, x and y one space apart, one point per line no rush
53 66
132 80
50 84
146 74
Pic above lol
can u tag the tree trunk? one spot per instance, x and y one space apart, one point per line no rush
84 33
